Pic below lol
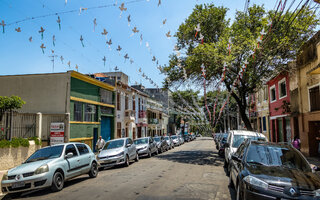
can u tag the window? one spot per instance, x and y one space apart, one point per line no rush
264 124
119 129
118 101
126 105
77 116
90 113
106 96
265 93
282 88
106 110
314 95
272 94
133 103
82 149
71 149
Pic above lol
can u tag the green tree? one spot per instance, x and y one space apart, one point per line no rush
280 45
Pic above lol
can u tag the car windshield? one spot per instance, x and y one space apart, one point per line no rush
238 139
141 141
282 156
157 139
113 144
174 137
166 138
46 153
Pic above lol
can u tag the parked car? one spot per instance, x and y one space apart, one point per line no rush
146 146
175 140
221 146
161 144
186 137
169 141
118 152
235 138
221 137
181 139
262 170
50 167
216 137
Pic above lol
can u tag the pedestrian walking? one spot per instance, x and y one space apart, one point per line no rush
100 143
296 143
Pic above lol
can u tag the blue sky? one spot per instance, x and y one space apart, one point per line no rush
20 56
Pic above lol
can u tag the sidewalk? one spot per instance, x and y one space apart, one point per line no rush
314 160
1 174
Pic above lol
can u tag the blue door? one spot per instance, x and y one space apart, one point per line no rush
106 128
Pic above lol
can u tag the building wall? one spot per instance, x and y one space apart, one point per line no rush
46 93
262 105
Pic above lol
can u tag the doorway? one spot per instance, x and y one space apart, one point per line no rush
95 139
314 131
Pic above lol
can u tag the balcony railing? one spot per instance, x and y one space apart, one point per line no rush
130 115
153 121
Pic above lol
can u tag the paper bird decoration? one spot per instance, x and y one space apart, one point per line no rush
41 31
54 40
69 64
168 34
122 8
59 21
94 24
81 9
109 44
81 40
105 32
131 61
164 21
3 25
159 3
141 38
263 32
198 29
30 39
116 68
77 67
147 44
201 38
134 30
153 58
157 62
18 29
61 58
140 69
52 51
42 47
119 49
126 57
104 60
129 19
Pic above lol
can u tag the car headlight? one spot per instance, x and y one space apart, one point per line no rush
5 176
256 182
42 169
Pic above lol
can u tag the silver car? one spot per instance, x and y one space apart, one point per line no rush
175 140
146 146
51 167
169 141
181 139
118 152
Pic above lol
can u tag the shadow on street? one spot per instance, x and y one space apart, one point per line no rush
194 157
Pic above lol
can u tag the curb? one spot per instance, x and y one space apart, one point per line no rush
1 174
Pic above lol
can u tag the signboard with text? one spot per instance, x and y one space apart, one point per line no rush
56 133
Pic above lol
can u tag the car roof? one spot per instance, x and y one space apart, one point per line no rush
141 138
286 145
244 132
118 139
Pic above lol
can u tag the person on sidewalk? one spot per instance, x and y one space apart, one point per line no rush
100 143
296 143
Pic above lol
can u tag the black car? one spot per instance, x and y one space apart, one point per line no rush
221 146
161 144
186 137
262 170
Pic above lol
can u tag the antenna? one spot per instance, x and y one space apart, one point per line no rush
53 56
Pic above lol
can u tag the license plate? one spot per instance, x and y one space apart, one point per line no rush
18 185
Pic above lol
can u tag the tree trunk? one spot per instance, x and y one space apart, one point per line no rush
242 111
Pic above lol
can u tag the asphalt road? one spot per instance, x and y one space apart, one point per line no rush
191 171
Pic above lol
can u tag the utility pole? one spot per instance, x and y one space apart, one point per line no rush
53 56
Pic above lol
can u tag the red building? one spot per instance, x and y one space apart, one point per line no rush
279 108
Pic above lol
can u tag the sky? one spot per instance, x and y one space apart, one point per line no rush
20 56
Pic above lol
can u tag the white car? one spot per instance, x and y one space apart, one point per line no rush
235 138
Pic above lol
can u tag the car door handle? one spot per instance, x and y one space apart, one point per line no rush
78 160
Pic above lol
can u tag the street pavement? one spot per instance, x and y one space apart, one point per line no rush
191 171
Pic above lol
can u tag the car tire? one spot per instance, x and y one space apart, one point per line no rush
93 173
149 153
127 162
15 195
157 151
238 195
137 157
231 185
57 182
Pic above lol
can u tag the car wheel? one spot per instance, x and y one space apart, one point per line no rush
239 196
57 182
137 157
15 195
157 151
149 153
94 170
231 185
127 162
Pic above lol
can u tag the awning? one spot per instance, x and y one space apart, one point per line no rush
315 70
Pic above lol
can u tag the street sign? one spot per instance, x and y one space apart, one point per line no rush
56 133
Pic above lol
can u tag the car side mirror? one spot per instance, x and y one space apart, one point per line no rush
69 155
226 145
235 158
